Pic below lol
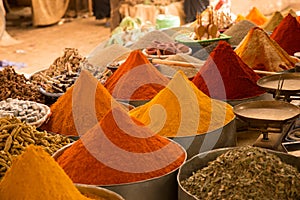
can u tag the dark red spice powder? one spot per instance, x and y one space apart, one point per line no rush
103 158
225 76
287 34
136 79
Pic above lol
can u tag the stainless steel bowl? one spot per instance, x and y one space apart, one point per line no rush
221 137
201 160
92 191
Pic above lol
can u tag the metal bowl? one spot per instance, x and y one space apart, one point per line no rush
98 192
264 96
159 188
221 137
201 160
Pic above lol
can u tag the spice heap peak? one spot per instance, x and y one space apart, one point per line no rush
136 79
287 34
81 107
260 52
120 150
181 109
35 175
273 22
256 16
225 76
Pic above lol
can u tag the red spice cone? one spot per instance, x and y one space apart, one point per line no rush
225 76
136 79
119 150
287 34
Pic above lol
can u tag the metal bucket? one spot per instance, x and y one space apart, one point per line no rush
222 137
201 160
98 192
159 188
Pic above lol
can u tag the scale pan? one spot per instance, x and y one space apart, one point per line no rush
266 111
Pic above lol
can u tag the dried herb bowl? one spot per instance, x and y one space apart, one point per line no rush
202 160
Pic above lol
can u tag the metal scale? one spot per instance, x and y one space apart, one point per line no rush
275 118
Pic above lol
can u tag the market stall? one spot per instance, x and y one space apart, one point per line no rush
205 110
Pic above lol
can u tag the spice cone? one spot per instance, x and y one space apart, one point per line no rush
273 22
225 76
120 150
287 34
260 52
81 107
181 109
35 175
136 79
256 16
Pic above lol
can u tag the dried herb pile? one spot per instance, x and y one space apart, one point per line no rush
16 86
245 173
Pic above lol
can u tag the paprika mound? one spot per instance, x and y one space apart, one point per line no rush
181 109
136 79
260 52
256 17
224 70
80 108
119 150
287 34
35 175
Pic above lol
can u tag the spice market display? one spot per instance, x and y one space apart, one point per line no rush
151 113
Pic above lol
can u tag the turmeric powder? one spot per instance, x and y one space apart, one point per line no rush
181 109
35 175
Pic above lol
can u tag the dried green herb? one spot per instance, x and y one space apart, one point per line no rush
245 173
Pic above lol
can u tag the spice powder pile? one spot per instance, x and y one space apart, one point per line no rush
118 150
181 109
35 175
225 76
260 52
80 108
256 17
136 79
287 34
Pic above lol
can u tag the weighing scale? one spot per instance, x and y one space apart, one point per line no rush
273 119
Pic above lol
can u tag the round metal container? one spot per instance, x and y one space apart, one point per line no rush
264 96
221 137
159 188
101 193
241 125
201 160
